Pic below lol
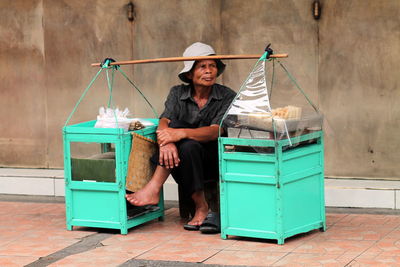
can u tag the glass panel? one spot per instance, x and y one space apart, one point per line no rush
93 162
271 105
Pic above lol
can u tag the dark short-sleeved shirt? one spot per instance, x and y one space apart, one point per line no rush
180 105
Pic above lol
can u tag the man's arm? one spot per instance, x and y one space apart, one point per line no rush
202 134
168 154
163 123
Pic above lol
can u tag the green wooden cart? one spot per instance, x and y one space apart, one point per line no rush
272 162
95 186
96 197
272 195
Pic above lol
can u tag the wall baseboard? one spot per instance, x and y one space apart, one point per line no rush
339 192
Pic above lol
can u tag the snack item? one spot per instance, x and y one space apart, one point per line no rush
135 125
288 112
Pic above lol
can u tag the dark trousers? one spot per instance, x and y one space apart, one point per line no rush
198 162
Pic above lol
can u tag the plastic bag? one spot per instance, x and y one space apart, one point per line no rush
110 118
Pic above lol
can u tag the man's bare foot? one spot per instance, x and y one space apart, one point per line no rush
201 208
143 197
199 216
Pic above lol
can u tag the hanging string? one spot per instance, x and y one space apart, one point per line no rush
110 83
151 106
110 89
272 78
82 96
298 87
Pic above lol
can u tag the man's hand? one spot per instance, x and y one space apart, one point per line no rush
169 135
168 156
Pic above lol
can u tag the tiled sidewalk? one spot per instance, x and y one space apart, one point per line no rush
29 231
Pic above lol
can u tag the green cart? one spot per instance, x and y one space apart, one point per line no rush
272 195
95 187
272 162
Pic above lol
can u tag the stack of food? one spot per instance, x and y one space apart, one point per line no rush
287 113
263 121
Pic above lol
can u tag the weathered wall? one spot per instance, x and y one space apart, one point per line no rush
359 84
287 25
77 33
46 49
23 101
347 62
165 29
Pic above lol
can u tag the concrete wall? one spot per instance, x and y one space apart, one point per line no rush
359 84
46 49
347 62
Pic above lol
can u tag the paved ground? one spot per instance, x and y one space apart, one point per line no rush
33 234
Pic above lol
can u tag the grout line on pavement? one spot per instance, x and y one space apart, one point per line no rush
211 255
348 264
281 258
156 263
144 252
85 244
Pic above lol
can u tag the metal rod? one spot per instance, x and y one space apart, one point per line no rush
176 59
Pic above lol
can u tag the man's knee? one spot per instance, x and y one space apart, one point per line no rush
189 146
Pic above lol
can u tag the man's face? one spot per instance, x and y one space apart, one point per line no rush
204 73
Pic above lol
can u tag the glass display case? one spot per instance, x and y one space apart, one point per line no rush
272 160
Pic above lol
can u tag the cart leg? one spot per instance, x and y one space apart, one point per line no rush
281 241
124 231
223 235
69 227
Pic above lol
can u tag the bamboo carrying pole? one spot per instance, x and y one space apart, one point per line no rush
176 59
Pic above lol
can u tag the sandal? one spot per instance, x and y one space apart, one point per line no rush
191 227
212 224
